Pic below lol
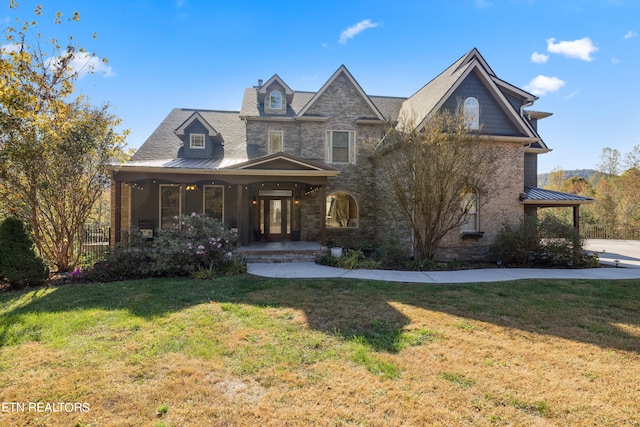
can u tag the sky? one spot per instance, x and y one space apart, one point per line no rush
580 57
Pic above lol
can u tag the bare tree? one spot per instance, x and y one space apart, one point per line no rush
632 158
431 171
610 161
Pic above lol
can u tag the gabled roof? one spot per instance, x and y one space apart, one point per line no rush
196 116
282 161
542 197
343 70
263 89
164 144
422 105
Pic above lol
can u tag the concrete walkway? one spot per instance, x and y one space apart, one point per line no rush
627 253
311 270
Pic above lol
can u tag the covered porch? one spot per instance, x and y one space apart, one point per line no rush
276 198
535 198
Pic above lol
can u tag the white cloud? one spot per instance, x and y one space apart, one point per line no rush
84 63
581 49
615 60
356 29
539 58
630 34
543 85
8 48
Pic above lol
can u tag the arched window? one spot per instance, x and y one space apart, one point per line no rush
342 210
275 100
472 113
469 206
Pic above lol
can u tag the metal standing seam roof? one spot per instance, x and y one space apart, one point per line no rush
535 195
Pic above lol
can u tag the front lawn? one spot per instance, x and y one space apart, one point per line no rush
254 351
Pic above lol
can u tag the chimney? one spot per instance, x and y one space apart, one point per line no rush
259 84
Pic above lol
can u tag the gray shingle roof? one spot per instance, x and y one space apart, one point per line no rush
164 144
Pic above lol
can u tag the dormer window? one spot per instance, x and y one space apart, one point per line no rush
472 113
275 100
196 141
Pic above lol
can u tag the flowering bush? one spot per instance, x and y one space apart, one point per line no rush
195 243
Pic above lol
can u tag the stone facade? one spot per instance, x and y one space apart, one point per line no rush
311 174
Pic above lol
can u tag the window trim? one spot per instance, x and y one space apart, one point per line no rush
472 119
351 147
204 199
160 201
475 212
357 210
275 132
197 147
278 104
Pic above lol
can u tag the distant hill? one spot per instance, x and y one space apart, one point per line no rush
543 178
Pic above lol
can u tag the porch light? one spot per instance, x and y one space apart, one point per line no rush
254 201
192 187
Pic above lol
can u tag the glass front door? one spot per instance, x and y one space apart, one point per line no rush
275 218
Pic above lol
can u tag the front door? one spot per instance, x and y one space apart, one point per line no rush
275 217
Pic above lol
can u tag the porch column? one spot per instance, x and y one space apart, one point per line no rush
239 218
576 217
183 198
323 217
116 212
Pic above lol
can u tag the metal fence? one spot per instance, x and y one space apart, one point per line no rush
95 240
624 232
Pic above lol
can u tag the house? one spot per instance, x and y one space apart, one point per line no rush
293 165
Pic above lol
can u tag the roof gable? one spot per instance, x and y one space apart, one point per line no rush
282 161
196 116
342 70
421 106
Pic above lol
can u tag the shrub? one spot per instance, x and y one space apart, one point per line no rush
548 241
393 253
19 264
195 243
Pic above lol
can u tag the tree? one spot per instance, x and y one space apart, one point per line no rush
632 158
431 171
556 179
610 161
54 148
19 264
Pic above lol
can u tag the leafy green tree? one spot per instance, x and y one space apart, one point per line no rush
19 264
54 147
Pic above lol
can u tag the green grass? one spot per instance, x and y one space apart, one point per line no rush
185 342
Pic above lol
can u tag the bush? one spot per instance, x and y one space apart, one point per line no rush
195 243
393 254
548 242
19 264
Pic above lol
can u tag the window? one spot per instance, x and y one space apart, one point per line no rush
342 210
340 146
275 141
170 205
213 201
472 113
196 140
275 100
469 205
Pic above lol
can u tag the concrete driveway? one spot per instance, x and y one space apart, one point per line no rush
626 252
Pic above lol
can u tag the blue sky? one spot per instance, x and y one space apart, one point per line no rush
581 57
